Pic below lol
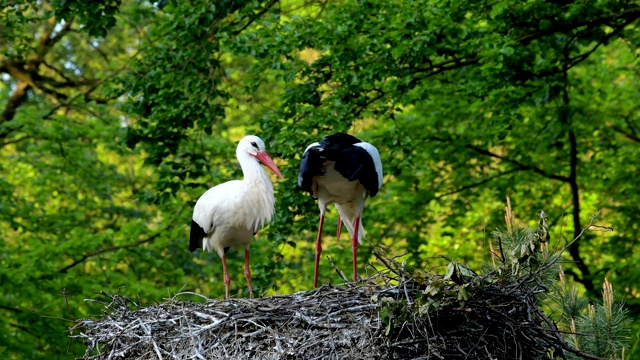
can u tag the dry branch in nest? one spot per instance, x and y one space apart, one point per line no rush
372 320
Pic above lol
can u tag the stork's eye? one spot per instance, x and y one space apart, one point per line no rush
254 144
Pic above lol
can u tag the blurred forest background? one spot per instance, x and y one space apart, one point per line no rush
118 114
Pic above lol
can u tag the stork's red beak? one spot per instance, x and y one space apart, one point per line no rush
266 160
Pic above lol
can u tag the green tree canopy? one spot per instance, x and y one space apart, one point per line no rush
116 116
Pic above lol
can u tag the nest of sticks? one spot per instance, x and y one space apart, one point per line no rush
391 315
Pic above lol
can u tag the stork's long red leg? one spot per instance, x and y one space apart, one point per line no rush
354 247
339 228
227 279
318 250
247 271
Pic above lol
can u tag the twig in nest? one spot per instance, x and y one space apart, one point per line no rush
501 250
386 263
566 246
602 227
333 265
66 302
404 283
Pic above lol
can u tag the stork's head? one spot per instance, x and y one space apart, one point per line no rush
254 147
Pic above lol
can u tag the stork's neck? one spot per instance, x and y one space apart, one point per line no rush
259 192
254 174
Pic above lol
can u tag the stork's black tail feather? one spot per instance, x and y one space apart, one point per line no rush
311 165
197 236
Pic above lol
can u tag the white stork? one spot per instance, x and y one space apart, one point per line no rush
345 171
230 214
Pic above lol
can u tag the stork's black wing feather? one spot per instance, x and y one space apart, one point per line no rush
196 236
355 163
311 165
340 139
351 161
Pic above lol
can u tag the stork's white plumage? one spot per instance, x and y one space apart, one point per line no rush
230 214
345 171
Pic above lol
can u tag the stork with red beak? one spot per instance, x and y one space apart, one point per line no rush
345 171
230 214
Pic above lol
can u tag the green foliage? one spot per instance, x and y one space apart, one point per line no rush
605 322
392 312
177 88
96 17
116 120
520 250
596 329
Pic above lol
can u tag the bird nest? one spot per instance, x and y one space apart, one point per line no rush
392 315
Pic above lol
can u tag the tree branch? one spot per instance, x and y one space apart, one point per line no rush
28 76
520 166
576 277
440 68
564 117
626 134
23 328
62 84
17 98
368 102
256 16
11 309
91 254
626 120
47 41
13 141
579 58
45 37
479 183
629 14
452 64
57 71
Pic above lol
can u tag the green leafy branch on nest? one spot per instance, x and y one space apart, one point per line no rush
520 280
